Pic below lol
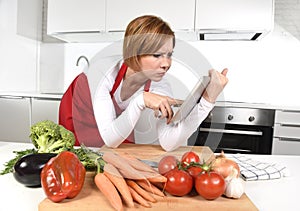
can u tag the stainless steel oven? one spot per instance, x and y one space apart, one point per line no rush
236 130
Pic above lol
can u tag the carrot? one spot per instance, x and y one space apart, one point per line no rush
136 163
138 198
109 191
159 185
116 178
146 195
150 188
122 165
154 176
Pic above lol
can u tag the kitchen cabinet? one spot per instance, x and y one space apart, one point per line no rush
65 16
286 132
84 21
218 10
179 14
44 109
15 115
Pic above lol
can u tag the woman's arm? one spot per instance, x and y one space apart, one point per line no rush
114 130
174 135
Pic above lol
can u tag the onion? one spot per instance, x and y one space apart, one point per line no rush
167 163
224 165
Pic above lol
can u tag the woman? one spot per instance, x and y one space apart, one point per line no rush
136 87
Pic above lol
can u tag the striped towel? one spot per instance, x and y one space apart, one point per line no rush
257 170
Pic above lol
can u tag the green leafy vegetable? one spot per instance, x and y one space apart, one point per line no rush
49 137
9 166
86 159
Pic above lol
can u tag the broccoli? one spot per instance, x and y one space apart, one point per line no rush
49 137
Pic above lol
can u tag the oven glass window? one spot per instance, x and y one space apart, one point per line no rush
234 138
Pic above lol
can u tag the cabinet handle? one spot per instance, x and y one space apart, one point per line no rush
11 97
288 139
289 125
46 98
290 111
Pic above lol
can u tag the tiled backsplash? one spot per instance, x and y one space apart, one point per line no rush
287 15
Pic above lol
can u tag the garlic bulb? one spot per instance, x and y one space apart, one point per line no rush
235 186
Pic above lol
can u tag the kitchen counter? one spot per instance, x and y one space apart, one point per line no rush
32 94
218 103
277 194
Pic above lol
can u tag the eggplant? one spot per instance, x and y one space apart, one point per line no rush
28 168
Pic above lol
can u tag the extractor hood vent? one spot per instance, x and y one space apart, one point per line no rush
229 36
234 19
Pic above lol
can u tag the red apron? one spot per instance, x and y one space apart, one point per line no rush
76 110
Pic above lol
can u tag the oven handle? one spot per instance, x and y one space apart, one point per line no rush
240 132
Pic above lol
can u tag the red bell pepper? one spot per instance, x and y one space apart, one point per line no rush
63 176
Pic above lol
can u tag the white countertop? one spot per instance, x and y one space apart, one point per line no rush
32 94
219 103
277 194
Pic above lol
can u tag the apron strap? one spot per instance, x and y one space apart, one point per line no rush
119 78
121 73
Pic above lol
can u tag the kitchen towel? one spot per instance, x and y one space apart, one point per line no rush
256 170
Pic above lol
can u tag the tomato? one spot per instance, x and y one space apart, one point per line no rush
210 185
179 182
167 163
190 157
194 171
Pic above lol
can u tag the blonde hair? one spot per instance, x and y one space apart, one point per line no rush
143 36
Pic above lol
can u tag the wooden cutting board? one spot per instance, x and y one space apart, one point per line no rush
91 199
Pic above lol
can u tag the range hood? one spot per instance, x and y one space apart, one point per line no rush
214 20
234 19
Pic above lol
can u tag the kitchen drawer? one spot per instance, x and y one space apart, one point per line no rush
15 118
45 109
283 146
287 117
287 131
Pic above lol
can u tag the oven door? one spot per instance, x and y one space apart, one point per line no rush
232 138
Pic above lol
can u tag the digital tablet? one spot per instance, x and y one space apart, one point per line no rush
191 100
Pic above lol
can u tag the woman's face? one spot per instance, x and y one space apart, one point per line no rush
156 65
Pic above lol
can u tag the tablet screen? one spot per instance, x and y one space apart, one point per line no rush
191 100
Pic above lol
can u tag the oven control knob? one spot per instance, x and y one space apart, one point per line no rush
251 118
230 117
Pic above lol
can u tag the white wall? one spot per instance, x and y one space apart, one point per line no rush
260 72
18 54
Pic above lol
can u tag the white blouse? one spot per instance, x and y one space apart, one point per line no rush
147 128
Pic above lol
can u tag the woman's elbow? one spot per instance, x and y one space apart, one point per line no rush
111 144
167 147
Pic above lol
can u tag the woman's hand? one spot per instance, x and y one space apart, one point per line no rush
216 85
161 105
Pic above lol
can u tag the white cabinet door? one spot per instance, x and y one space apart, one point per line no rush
45 109
14 119
233 14
179 14
75 16
285 146
287 117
